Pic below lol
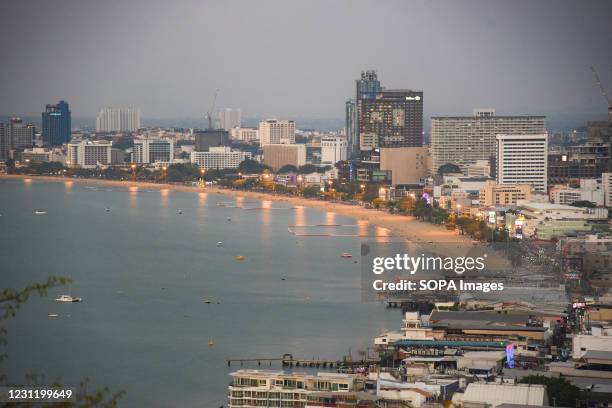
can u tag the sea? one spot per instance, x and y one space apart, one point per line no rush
165 304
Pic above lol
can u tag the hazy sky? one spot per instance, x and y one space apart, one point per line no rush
300 58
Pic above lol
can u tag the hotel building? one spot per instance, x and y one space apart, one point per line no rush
274 131
89 154
464 140
219 158
523 159
333 149
493 194
279 155
118 120
152 150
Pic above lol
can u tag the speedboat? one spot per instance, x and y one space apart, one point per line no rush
40 212
68 299
346 255
219 244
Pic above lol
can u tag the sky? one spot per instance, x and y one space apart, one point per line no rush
288 59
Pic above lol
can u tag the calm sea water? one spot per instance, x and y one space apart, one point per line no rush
144 272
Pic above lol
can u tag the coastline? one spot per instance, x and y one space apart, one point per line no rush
401 226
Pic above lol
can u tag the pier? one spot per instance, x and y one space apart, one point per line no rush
287 360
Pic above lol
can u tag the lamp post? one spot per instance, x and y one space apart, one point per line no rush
133 166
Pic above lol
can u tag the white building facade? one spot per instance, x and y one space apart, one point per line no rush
152 150
464 140
244 134
118 120
333 149
230 118
274 131
523 159
219 158
89 154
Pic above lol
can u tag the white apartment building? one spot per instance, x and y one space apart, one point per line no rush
523 159
606 182
230 118
464 140
333 149
274 131
245 134
152 150
265 388
89 154
118 120
589 190
219 158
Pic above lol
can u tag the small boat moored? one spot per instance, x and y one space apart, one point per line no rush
219 244
346 255
40 212
68 299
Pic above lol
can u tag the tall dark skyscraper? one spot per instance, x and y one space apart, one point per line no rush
56 124
395 116
366 87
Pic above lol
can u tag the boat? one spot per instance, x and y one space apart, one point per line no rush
40 212
240 257
346 255
107 209
229 219
52 315
219 244
211 343
179 212
68 299
208 302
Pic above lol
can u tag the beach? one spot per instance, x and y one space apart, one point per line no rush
401 226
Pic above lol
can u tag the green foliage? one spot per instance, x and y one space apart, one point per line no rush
371 192
182 172
560 391
45 168
287 168
250 166
311 192
449 168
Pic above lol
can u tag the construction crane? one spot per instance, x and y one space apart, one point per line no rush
603 92
211 110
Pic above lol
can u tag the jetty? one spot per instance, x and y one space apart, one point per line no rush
287 360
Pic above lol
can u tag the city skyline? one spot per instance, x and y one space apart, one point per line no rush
521 58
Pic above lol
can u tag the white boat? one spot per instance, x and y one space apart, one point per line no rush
40 212
52 315
68 299
346 255
219 244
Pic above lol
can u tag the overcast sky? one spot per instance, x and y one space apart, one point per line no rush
300 58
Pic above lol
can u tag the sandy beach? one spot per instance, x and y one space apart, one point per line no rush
398 225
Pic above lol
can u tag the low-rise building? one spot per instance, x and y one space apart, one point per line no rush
588 190
408 165
493 194
257 388
219 158
494 394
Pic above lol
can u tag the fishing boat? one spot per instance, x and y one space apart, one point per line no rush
40 212
68 299
346 255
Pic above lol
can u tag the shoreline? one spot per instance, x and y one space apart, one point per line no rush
400 226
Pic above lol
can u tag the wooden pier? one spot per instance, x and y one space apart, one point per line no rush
287 360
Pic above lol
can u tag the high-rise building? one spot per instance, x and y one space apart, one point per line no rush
230 118
395 116
221 157
118 120
333 149
5 141
523 159
153 150
606 182
205 139
352 128
89 154
274 131
279 155
464 140
56 124
21 134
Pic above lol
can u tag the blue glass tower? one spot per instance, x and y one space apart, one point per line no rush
56 124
